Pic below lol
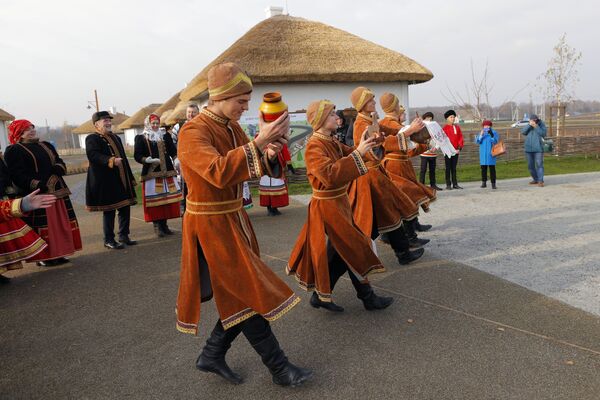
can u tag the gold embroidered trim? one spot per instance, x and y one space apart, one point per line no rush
230 85
319 135
360 163
22 231
15 208
214 116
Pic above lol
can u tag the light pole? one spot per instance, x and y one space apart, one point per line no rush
90 103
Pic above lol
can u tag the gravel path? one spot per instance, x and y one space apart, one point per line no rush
545 239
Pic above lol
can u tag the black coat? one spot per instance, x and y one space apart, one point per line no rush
5 181
108 186
36 165
163 150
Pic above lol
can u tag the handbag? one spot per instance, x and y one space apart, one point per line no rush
498 149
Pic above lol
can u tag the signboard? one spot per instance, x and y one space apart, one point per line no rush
300 131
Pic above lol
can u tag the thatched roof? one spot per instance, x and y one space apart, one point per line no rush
88 126
137 119
167 108
4 116
290 49
178 114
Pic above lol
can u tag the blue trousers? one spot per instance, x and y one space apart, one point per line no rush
535 163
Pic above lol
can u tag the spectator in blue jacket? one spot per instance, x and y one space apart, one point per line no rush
486 139
535 133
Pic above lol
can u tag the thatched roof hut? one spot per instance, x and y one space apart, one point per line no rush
295 50
137 119
178 114
167 108
88 126
4 116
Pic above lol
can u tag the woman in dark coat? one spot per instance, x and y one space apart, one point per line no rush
154 149
34 164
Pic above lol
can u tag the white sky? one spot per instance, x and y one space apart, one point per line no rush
53 53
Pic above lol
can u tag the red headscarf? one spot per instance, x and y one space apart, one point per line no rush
487 122
153 117
16 129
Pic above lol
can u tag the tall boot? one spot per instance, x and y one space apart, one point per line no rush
401 246
212 358
259 334
411 232
420 227
165 228
157 230
370 300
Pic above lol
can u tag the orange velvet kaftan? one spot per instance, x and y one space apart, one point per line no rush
330 167
398 165
220 256
374 196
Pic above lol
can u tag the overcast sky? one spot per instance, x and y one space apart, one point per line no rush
53 54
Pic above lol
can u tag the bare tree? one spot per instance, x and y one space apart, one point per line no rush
558 82
476 97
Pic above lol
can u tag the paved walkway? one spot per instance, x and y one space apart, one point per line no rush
103 327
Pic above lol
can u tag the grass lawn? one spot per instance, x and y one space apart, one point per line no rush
472 172
518 169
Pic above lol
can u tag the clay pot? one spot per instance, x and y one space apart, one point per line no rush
272 106
420 137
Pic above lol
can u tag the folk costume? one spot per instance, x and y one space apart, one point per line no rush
428 160
160 190
220 254
109 187
34 164
330 243
456 138
398 152
274 191
378 204
18 241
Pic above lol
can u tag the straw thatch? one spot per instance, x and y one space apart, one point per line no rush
88 126
4 116
137 119
178 114
290 49
167 108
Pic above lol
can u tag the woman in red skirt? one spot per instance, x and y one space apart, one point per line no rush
34 164
154 149
18 242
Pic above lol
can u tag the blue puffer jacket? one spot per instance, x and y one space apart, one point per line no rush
486 141
534 141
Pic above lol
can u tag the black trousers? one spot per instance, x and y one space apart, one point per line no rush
451 163
108 222
338 267
256 329
425 163
484 169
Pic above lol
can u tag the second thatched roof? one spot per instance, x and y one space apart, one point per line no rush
88 126
290 49
4 116
137 119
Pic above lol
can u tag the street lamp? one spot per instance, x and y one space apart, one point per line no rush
94 104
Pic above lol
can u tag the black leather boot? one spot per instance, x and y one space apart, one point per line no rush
408 256
157 229
164 227
416 243
385 238
494 185
284 372
371 301
483 184
422 228
212 358
318 303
